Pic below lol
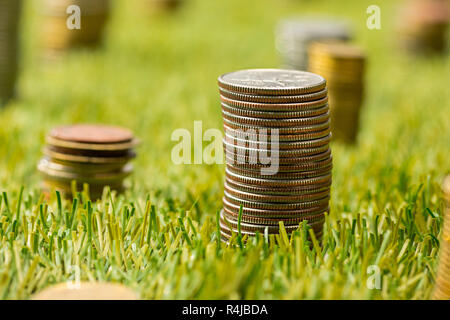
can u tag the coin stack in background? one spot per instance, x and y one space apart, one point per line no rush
98 155
294 36
342 64
162 5
255 103
10 11
442 287
423 25
58 37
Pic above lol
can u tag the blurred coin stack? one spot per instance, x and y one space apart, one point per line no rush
58 15
9 46
98 155
342 64
278 159
294 36
163 5
442 287
423 25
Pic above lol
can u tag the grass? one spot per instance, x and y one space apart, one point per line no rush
156 74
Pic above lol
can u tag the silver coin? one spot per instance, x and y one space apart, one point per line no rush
272 82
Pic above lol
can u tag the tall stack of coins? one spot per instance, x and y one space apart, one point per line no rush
9 45
423 25
294 36
442 287
98 155
278 159
342 64
60 28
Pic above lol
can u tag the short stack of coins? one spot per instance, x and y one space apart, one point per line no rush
442 287
96 155
423 26
343 65
9 46
278 159
60 29
294 36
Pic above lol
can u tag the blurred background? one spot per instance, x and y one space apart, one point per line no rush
157 70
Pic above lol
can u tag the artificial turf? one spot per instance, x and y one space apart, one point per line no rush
157 73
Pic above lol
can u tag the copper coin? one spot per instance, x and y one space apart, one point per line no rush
91 146
91 153
88 133
272 82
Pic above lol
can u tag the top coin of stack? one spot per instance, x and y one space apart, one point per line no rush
342 64
423 25
294 36
94 154
57 36
86 291
442 287
278 159
9 42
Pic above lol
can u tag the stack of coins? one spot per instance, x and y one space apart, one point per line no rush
442 287
9 44
294 36
342 64
163 5
423 26
86 291
94 154
278 160
60 29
